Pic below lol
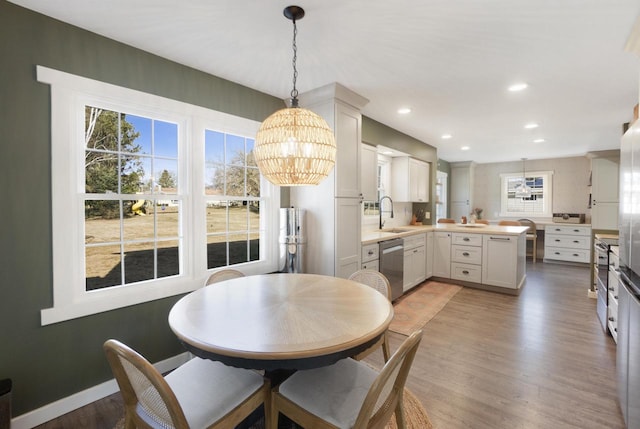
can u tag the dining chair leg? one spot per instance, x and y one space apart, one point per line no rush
400 422
273 413
385 348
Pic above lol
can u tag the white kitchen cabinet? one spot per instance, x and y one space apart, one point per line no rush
567 243
466 257
612 301
347 237
371 257
333 208
442 254
409 180
503 260
414 261
428 254
369 172
604 193
462 174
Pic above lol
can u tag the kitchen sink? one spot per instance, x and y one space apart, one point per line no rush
395 230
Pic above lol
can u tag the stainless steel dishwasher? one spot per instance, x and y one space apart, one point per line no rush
392 264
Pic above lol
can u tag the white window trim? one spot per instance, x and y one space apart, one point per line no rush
69 95
547 191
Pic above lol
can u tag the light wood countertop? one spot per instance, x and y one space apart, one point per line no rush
375 236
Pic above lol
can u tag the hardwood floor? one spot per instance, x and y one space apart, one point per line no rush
488 360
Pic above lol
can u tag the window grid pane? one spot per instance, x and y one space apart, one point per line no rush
132 233
232 188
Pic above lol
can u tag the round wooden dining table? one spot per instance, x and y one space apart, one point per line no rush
281 321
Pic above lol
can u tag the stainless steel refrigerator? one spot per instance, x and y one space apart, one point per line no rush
628 347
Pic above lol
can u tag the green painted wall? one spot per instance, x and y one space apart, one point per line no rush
51 362
375 133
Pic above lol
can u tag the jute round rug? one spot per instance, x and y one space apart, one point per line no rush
414 413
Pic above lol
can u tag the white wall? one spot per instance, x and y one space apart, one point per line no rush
570 184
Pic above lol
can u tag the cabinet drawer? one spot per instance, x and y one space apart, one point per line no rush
371 265
466 239
413 241
570 242
568 230
612 317
370 252
570 255
466 254
466 272
613 283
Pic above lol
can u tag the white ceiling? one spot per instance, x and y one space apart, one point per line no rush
450 61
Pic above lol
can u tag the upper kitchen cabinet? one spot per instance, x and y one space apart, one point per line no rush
461 189
605 192
410 180
369 172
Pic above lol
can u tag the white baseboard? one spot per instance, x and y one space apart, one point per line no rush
80 399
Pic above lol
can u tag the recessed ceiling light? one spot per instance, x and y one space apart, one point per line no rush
446 136
404 110
465 148
518 87
539 141
531 126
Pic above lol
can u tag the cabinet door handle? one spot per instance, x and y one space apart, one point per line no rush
557 240
612 319
575 254
557 253
576 241
465 253
465 272
370 252
500 238
465 239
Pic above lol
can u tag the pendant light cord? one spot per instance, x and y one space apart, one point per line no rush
294 91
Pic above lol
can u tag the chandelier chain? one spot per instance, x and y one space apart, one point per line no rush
294 91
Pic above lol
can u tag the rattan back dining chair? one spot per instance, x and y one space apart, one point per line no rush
379 282
226 274
532 235
482 221
199 394
347 394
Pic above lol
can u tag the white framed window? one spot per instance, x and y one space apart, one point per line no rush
371 209
130 197
537 204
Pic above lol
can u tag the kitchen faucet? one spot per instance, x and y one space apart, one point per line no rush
380 209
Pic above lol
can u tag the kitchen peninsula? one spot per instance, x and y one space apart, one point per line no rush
489 257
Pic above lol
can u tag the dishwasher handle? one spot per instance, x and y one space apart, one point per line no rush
392 249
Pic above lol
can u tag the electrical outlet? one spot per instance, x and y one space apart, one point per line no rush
427 215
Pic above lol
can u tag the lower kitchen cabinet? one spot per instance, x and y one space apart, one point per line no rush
503 260
414 261
429 255
370 257
442 254
466 257
567 243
